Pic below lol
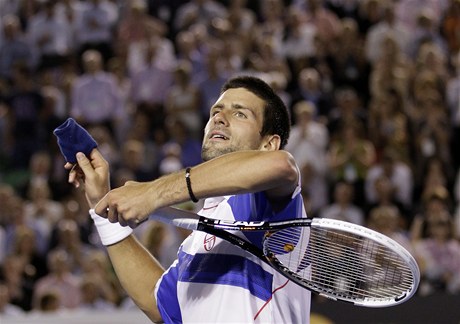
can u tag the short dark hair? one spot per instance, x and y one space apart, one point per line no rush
276 116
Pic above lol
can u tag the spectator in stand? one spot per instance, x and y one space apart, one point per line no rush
40 171
164 240
431 57
432 136
350 65
14 49
272 23
26 248
171 161
95 96
438 255
43 212
12 273
348 110
399 173
369 14
425 89
434 202
16 221
25 107
298 42
150 85
7 309
198 11
182 101
188 48
95 29
309 88
190 147
153 139
279 84
385 197
50 37
407 12
117 67
140 55
133 157
70 13
388 26
61 280
325 21
210 80
392 68
136 25
92 296
388 123
97 268
67 238
242 20
74 211
426 31
342 207
264 59
350 158
308 144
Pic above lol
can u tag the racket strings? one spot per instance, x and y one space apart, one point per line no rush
341 263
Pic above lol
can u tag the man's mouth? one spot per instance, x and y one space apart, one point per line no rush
218 136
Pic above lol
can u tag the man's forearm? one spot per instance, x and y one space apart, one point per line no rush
234 173
138 272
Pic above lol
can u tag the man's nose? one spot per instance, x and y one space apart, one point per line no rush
220 118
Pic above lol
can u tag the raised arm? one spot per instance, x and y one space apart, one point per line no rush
274 172
137 270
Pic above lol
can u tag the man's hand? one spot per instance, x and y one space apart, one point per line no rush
129 205
93 173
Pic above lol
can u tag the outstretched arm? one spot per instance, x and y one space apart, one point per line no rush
274 172
137 270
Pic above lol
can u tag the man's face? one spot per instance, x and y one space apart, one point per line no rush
234 124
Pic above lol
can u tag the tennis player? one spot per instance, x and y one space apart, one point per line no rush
246 175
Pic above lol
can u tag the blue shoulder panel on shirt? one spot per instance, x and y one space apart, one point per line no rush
255 207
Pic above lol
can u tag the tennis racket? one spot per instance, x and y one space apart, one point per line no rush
336 259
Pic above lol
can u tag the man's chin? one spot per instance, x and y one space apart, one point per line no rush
208 153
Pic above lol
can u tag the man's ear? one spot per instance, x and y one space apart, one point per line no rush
271 143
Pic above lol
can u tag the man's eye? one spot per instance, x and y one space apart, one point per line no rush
240 114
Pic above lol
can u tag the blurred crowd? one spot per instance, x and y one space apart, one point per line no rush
373 88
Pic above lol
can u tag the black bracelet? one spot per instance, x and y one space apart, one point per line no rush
189 185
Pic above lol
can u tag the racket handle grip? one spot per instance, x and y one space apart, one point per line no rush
176 217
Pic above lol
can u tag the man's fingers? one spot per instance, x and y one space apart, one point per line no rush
133 223
96 154
102 207
83 162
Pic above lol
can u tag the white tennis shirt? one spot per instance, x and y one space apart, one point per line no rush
213 281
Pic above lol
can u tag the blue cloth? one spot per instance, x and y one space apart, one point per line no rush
73 138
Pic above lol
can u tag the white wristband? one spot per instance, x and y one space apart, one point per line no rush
110 233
